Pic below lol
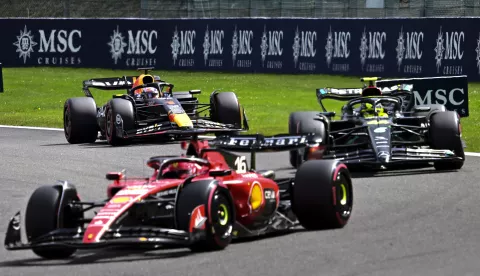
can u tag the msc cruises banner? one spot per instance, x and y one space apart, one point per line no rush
401 48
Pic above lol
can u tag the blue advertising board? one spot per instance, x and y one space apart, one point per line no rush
388 47
399 47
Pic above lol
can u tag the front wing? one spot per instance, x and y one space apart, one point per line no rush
200 126
399 155
124 236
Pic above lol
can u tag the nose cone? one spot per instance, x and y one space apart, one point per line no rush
384 157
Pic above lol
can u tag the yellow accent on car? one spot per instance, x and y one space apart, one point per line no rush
380 122
182 120
256 196
343 201
120 199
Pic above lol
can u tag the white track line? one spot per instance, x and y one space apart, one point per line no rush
61 129
477 154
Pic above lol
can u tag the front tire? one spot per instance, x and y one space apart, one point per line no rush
445 134
118 110
42 217
322 194
304 122
80 120
215 204
226 110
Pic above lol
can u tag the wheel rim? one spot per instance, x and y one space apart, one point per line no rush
343 194
222 216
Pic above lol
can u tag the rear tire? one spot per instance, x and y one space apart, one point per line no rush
226 110
115 109
42 217
80 120
445 134
304 122
322 194
217 206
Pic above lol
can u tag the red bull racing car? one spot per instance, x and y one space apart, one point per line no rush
201 200
149 108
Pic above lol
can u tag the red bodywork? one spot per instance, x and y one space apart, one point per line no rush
130 190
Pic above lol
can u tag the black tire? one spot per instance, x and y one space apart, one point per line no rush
303 122
213 198
226 110
41 217
445 133
322 194
80 120
124 109
433 108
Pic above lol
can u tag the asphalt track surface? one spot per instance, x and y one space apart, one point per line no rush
415 223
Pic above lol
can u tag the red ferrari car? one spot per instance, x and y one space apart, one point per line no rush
199 200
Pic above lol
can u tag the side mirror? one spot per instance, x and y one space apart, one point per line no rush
195 91
220 173
114 175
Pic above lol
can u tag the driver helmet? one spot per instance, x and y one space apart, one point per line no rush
182 170
148 92
367 110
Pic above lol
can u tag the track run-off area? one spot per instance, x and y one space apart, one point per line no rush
415 222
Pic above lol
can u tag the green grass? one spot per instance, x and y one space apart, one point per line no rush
35 96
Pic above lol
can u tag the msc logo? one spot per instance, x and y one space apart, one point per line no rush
142 44
55 45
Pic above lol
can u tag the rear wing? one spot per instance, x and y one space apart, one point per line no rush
346 94
260 143
114 83
351 93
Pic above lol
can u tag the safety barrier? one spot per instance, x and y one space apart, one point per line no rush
400 47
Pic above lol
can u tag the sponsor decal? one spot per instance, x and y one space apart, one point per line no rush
256 197
268 142
152 128
270 195
449 91
118 119
271 48
409 48
132 192
249 175
55 46
337 50
198 218
381 140
212 45
372 49
167 192
449 49
242 48
304 47
183 48
141 47
380 130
